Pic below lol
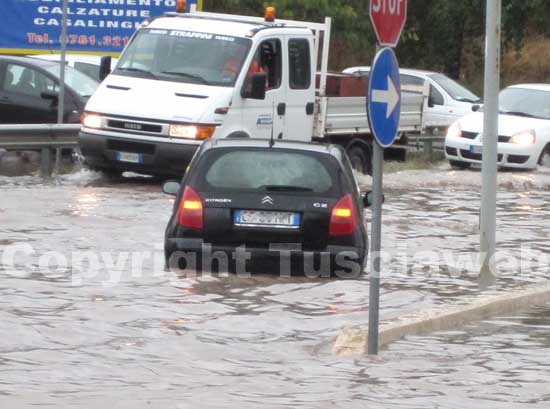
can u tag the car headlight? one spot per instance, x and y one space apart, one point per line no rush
91 120
528 137
454 131
191 131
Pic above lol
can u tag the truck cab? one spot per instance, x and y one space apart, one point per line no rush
187 77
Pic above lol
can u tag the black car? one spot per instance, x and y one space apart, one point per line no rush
246 205
29 91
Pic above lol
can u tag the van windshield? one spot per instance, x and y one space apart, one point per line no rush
454 89
184 56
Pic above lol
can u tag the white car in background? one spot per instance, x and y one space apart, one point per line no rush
523 130
88 64
448 99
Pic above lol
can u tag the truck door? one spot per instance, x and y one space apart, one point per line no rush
259 116
300 89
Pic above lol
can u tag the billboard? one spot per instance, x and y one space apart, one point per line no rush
93 26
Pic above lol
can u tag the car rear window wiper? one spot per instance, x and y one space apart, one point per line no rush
286 188
140 70
518 113
186 74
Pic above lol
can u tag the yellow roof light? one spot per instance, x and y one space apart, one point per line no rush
181 6
270 14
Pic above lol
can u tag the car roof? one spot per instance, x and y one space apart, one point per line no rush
533 86
327 149
28 60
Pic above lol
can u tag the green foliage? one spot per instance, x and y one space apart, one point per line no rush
440 34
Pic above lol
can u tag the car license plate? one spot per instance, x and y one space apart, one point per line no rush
128 157
253 218
476 149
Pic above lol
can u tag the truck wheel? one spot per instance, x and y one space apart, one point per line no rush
360 160
459 165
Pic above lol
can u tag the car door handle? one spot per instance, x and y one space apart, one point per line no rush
310 107
281 109
4 100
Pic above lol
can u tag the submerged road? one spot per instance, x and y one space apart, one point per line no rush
89 317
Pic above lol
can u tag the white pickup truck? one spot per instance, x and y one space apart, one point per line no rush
187 77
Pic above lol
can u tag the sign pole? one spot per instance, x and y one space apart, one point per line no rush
61 97
384 113
490 132
61 100
376 239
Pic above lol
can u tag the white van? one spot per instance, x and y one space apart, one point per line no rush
448 99
187 77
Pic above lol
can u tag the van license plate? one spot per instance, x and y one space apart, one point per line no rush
128 157
253 218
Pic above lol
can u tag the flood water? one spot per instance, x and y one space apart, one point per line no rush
90 319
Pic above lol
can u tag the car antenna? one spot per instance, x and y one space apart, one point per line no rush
272 139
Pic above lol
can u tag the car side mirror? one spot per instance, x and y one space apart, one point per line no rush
256 90
104 67
171 188
368 199
431 103
476 107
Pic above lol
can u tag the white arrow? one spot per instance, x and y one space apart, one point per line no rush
390 97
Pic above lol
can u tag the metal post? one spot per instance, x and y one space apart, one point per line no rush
61 99
376 236
490 138
46 162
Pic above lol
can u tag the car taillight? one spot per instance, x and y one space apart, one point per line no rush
343 219
190 212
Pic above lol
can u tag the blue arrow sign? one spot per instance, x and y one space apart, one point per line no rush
384 98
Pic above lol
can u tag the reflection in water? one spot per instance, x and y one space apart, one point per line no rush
147 338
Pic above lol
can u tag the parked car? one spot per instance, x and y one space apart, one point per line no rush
29 91
246 194
448 99
523 130
87 64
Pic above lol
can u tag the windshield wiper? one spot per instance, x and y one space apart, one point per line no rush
186 74
286 188
518 113
140 70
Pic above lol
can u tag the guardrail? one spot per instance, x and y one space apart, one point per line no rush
43 137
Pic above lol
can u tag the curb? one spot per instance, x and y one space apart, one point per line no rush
351 341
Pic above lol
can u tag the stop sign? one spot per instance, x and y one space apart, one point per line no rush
388 18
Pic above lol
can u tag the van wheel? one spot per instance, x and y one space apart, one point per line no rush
360 160
459 165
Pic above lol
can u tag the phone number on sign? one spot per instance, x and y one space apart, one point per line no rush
83 40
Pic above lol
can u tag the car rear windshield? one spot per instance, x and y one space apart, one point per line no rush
274 170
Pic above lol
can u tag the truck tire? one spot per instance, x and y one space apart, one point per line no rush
455 164
361 159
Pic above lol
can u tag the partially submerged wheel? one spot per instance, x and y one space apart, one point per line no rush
544 159
360 160
459 165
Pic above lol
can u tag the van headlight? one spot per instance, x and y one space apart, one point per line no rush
91 120
528 137
454 131
191 131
